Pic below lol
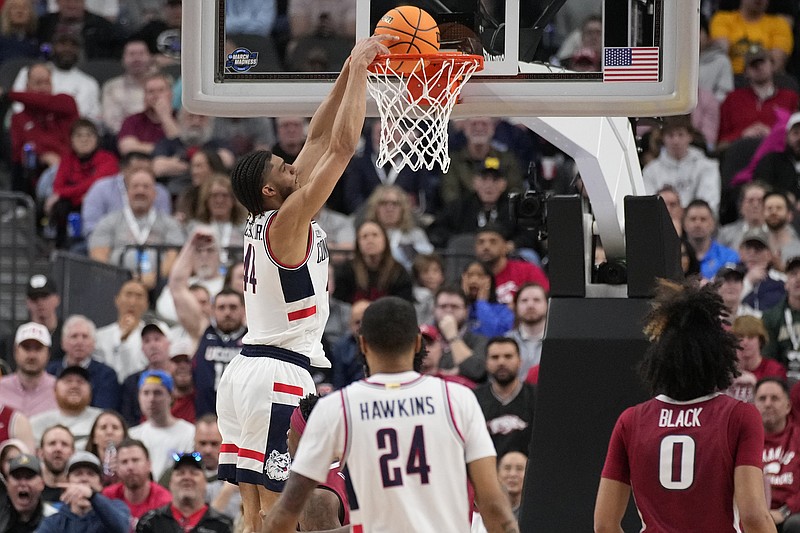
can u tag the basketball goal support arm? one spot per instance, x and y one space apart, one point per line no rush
605 151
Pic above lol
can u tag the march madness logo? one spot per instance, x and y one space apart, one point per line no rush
241 60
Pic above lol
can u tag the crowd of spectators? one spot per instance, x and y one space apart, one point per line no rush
122 173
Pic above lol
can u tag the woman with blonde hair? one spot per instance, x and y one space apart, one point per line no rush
18 22
219 209
389 206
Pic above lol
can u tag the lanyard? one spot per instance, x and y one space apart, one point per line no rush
140 233
386 179
787 316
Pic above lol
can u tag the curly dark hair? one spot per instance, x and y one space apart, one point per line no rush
691 354
247 179
307 404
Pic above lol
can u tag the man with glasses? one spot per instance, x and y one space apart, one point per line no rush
464 352
188 510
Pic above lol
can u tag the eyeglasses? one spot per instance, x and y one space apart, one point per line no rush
395 203
178 457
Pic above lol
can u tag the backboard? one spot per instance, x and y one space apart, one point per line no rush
643 64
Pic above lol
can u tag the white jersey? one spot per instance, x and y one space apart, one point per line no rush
405 440
287 306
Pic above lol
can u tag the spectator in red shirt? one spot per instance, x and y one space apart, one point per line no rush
44 123
141 131
80 167
136 489
492 248
750 111
753 366
181 352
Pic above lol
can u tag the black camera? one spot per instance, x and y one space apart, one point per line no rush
529 210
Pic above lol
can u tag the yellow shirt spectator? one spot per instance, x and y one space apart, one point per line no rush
770 31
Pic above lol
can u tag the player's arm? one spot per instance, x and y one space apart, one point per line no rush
612 500
321 512
190 314
492 502
748 483
299 208
284 515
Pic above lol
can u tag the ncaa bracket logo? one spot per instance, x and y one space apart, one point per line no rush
241 60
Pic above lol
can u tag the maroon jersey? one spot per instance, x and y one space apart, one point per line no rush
335 484
679 459
782 466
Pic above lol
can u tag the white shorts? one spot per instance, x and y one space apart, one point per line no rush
256 396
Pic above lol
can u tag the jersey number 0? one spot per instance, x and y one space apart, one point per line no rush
676 450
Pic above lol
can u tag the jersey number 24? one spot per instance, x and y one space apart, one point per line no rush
416 463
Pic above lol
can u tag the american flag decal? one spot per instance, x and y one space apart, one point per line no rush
630 64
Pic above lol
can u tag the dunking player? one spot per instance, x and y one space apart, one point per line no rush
691 454
286 273
407 442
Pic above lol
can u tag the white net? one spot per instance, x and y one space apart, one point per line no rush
415 108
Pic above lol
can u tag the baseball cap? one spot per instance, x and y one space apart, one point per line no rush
491 167
429 332
756 235
25 461
33 331
156 376
187 459
792 263
158 325
493 227
75 370
755 52
181 348
729 270
40 285
793 121
84 458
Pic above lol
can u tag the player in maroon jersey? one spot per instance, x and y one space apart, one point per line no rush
691 454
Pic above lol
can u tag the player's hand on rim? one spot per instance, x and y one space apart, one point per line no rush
365 50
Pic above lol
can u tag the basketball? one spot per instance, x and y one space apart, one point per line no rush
418 33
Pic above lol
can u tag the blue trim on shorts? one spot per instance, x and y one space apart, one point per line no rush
281 354
227 472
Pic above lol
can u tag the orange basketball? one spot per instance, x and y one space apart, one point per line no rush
418 33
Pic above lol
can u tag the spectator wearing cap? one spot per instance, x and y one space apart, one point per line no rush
67 78
73 396
347 363
782 323
155 346
22 508
465 163
78 340
750 111
363 174
43 300
779 169
30 389
161 432
85 509
751 214
752 366
136 488
763 285
510 274
102 39
184 395
188 511
119 344
730 283
738 30
434 348
683 166
484 203
699 226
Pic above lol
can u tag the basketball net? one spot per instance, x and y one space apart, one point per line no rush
415 107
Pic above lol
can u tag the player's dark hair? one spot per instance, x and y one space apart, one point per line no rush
247 180
390 326
307 404
690 354
771 379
